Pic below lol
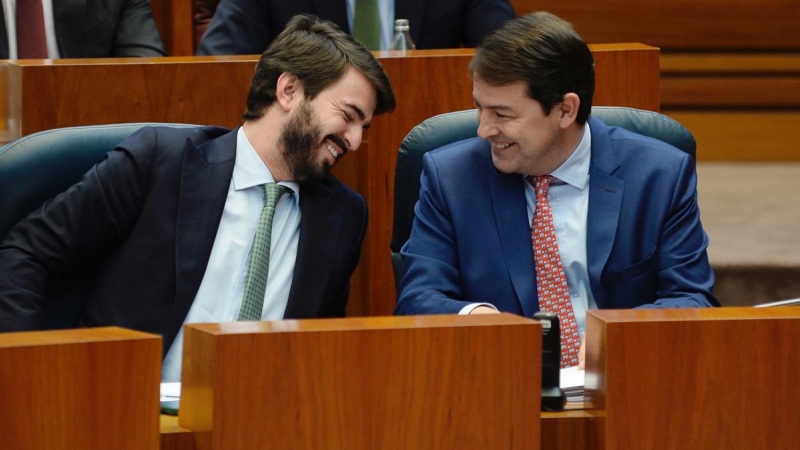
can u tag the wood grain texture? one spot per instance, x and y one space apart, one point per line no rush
364 383
742 136
568 430
727 91
212 90
680 24
695 378
174 20
79 389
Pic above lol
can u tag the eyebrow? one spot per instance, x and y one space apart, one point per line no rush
360 114
492 107
358 110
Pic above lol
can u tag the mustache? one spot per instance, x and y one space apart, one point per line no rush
339 142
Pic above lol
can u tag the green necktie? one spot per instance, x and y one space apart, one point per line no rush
367 24
258 269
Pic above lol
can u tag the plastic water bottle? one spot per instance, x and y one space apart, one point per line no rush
402 37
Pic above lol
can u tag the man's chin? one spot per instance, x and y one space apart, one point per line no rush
502 166
312 175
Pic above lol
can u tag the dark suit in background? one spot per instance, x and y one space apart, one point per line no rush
100 29
149 215
245 27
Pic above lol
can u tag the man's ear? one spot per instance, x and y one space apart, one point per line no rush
288 90
568 109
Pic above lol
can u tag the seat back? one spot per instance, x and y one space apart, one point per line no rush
456 126
35 168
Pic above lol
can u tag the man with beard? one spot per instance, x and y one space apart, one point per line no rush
172 222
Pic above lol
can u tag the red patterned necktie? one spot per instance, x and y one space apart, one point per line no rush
31 41
551 283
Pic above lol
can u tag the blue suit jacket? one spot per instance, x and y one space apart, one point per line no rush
246 27
141 224
471 237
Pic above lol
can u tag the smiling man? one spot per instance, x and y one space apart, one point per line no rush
550 209
183 225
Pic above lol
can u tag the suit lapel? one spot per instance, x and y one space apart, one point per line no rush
414 11
333 10
203 191
510 213
605 203
320 226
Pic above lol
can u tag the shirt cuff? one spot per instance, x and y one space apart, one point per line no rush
468 309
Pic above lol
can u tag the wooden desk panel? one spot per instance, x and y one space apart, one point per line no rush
685 24
568 430
88 389
43 94
694 378
393 383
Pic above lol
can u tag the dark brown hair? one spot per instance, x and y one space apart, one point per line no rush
318 53
543 51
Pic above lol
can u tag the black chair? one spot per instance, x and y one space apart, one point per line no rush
456 126
35 168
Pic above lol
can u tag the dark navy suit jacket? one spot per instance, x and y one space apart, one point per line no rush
145 220
470 241
100 29
246 27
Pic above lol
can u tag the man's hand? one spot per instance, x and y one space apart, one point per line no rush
582 353
484 310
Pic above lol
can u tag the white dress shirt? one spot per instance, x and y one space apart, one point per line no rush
569 200
220 295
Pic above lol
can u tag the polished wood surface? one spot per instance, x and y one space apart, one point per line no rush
79 389
174 20
685 24
364 383
721 60
694 378
567 430
739 106
212 90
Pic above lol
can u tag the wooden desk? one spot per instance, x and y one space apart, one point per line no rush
568 430
671 379
46 94
74 389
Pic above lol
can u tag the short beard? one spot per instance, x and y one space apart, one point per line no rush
300 141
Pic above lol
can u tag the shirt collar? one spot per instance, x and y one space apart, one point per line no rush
249 169
575 170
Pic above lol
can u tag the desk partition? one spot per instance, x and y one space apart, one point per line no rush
46 94
721 378
390 383
88 389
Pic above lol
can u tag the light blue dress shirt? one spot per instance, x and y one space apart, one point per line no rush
220 295
386 8
569 200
